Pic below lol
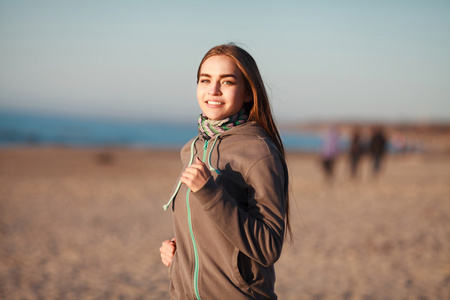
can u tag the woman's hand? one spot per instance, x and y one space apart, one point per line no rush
167 250
196 175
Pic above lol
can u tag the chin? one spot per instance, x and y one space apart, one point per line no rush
214 116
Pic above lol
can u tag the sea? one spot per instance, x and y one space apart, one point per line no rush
26 129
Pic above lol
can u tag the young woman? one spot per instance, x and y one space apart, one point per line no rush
230 207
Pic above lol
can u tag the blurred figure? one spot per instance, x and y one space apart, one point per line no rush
398 142
355 152
377 148
329 151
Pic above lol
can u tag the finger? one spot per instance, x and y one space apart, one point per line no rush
193 174
169 247
187 179
190 181
165 244
196 168
166 262
171 250
189 172
166 256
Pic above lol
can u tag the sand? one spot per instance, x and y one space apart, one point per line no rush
88 224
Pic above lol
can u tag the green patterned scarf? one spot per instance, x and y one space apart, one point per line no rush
209 128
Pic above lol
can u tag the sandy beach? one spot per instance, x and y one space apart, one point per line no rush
88 224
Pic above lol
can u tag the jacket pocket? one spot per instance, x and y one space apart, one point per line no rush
239 270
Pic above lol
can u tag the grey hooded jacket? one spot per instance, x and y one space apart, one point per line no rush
230 233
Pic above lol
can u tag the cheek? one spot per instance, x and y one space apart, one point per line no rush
199 94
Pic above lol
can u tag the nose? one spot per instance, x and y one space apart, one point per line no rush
215 89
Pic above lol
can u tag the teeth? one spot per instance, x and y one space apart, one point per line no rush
214 102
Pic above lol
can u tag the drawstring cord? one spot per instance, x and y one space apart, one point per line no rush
209 156
166 206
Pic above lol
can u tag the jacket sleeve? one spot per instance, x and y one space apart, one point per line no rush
258 231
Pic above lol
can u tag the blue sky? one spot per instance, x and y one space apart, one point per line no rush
321 60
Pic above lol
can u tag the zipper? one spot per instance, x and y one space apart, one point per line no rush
194 244
205 147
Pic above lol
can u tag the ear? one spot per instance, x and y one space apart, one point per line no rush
248 97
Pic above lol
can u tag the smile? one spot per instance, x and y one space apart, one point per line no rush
214 102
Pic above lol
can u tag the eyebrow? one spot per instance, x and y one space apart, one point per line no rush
221 76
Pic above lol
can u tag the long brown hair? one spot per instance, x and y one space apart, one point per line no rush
259 107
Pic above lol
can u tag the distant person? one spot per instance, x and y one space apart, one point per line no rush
230 206
378 145
398 143
355 152
329 151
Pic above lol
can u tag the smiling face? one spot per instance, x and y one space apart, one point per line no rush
221 88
